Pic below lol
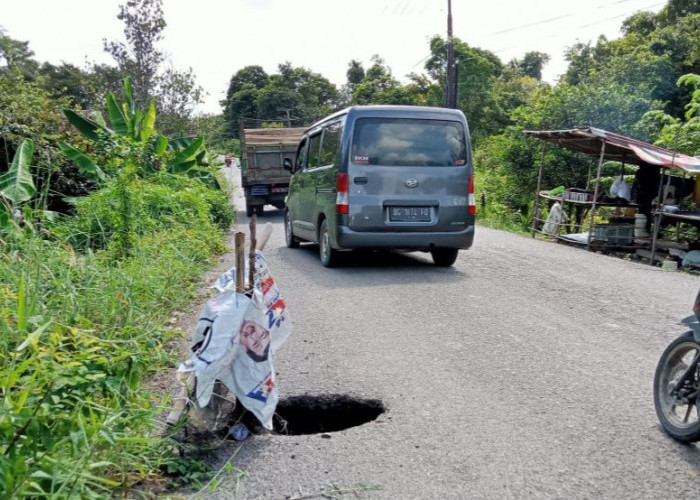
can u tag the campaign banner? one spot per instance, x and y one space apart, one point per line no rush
235 340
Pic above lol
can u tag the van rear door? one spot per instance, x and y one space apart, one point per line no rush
409 175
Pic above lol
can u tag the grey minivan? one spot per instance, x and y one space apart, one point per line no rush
383 177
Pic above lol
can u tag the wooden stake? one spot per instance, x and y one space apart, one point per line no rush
239 243
251 253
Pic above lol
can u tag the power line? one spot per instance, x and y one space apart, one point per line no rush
560 17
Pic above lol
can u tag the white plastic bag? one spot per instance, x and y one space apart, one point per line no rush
555 219
620 189
235 340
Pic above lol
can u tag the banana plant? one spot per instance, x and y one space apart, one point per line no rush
136 129
16 185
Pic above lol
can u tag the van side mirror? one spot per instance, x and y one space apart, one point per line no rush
288 165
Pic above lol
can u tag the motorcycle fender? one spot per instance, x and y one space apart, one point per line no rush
694 325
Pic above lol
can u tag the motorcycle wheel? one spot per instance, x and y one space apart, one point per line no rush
678 412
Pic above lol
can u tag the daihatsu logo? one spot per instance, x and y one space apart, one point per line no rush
411 182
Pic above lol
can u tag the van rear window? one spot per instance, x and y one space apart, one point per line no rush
409 142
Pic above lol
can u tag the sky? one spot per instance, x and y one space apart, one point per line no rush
216 38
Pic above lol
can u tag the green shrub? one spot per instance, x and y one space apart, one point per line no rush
79 332
160 202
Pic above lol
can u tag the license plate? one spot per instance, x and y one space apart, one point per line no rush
409 214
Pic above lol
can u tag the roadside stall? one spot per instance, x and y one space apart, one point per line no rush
662 180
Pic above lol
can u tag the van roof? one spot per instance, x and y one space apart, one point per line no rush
372 109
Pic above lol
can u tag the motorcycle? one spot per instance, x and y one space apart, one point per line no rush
677 382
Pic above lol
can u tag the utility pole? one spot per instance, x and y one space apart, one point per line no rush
451 91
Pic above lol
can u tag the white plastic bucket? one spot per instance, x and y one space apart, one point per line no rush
640 226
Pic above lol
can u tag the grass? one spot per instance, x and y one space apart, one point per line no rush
81 328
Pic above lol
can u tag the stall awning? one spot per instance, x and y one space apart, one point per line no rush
617 147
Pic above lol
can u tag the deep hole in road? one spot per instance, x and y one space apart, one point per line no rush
324 413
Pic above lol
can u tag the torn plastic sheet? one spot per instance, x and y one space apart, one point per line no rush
235 341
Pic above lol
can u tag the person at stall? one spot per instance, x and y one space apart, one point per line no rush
645 188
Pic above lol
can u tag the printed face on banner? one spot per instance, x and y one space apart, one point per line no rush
255 340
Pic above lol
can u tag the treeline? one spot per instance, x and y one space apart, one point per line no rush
633 85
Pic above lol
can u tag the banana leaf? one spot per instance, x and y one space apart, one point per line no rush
135 125
202 158
180 167
189 151
85 164
5 217
16 184
161 145
129 96
99 119
85 126
116 117
178 143
149 123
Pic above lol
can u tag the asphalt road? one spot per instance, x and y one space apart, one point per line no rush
523 371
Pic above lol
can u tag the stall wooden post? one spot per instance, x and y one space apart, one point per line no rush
536 206
595 194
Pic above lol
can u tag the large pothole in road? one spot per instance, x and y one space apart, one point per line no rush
326 413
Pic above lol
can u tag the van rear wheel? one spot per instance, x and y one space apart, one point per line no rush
329 257
444 257
291 240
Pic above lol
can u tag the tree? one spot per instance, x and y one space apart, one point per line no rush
175 92
477 71
178 91
355 73
531 64
318 95
68 80
295 96
138 57
17 55
250 75
379 86
641 23
29 111
243 104
279 104
678 134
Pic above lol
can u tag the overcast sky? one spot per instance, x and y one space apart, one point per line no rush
216 38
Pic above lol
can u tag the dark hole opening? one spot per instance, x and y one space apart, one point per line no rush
327 413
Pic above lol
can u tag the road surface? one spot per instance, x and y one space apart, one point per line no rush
523 371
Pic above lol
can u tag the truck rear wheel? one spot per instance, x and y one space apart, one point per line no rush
259 210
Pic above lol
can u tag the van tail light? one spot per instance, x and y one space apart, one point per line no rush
472 203
341 198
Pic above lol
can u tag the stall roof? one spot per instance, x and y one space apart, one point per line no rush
617 147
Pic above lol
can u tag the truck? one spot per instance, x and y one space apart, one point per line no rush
263 177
